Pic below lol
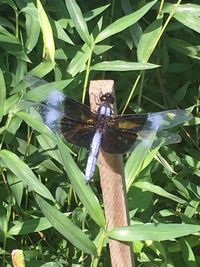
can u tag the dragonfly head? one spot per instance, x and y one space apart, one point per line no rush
107 97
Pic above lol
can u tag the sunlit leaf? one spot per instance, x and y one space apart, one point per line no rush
149 40
46 32
64 226
22 170
119 65
78 20
83 190
124 22
150 231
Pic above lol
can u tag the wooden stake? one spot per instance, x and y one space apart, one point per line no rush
112 185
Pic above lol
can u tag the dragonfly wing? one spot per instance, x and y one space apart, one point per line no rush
43 91
166 119
152 121
122 131
77 133
117 141
63 114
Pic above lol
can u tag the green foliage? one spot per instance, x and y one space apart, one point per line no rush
151 49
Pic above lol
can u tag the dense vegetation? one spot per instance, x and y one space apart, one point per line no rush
151 49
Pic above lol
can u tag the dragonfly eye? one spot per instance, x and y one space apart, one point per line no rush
107 97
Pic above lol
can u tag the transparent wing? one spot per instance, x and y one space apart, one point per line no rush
122 131
152 121
63 114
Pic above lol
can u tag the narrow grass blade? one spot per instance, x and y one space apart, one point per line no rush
189 20
46 32
78 20
32 26
22 171
150 231
134 163
29 226
119 65
146 186
148 40
124 22
2 95
64 226
83 191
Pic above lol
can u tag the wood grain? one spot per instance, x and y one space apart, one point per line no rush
112 185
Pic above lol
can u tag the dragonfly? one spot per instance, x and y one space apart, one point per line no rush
85 128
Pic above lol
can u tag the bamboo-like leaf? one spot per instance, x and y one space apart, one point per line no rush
78 20
135 161
83 191
185 8
42 69
124 22
64 226
146 186
119 65
150 231
35 124
46 32
2 94
189 20
184 47
32 26
29 226
187 254
78 62
21 170
149 40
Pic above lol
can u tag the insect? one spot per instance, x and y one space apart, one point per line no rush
114 134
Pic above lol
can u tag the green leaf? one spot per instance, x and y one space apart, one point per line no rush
189 20
180 94
146 186
187 254
119 65
83 190
11 44
22 171
77 64
35 123
184 47
2 95
186 8
135 30
9 103
134 162
16 186
32 26
124 22
64 226
149 40
78 20
150 231
42 69
61 34
46 32
41 91
29 226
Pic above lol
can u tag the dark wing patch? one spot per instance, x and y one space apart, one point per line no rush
77 111
120 133
117 141
78 124
77 132
128 123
